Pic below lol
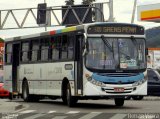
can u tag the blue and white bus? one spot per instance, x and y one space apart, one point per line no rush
89 61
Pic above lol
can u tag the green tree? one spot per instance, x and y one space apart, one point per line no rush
87 2
1 40
69 2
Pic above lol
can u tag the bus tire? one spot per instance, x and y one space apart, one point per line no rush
64 92
25 92
119 102
71 101
10 96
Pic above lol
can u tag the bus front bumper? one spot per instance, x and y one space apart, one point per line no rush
115 90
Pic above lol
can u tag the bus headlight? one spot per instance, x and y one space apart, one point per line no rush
91 80
97 83
139 82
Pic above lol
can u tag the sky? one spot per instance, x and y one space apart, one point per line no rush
122 13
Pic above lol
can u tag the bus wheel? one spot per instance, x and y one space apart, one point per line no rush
25 92
119 101
71 101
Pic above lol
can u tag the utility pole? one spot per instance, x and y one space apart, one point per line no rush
111 19
45 24
134 10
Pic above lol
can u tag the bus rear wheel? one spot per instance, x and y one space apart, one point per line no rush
119 101
25 92
71 101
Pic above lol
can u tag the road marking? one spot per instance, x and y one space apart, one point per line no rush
119 116
51 112
59 117
147 116
9 116
35 116
90 115
27 111
72 112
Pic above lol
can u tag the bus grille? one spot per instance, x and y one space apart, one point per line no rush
118 74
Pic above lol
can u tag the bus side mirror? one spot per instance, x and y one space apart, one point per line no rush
85 48
146 51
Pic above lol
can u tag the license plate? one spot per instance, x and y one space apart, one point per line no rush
118 89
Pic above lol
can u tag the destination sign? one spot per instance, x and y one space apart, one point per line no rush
116 29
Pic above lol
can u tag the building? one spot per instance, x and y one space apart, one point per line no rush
150 13
1 53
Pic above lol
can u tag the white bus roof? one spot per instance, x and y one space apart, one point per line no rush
62 30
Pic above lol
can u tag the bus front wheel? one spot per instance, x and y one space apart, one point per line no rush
119 101
71 100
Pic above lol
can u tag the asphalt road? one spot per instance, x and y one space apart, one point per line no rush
86 109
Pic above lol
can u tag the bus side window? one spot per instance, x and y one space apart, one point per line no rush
64 47
45 49
55 44
35 50
70 46
8 53
25 52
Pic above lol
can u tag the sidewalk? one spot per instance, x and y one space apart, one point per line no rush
8 106
155 98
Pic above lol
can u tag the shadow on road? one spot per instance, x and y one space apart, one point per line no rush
81 105
86 105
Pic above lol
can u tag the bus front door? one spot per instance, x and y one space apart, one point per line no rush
15 64
79 65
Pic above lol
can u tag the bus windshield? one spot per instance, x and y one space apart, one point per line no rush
116 53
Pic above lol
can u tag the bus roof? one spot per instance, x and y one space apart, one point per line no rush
63 30
52 32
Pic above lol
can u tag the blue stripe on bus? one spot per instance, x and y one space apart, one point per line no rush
58 31
117 79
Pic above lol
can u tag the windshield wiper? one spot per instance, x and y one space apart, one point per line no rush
134 41
107 43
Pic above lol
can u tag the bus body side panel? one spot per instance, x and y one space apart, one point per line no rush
39 79
8 77
46 78
55 73
26 71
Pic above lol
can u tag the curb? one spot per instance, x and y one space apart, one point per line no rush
151 99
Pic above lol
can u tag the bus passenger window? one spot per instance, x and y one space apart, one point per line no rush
25 51
70 47
64 47
8 53
55 44
44 49
35 50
